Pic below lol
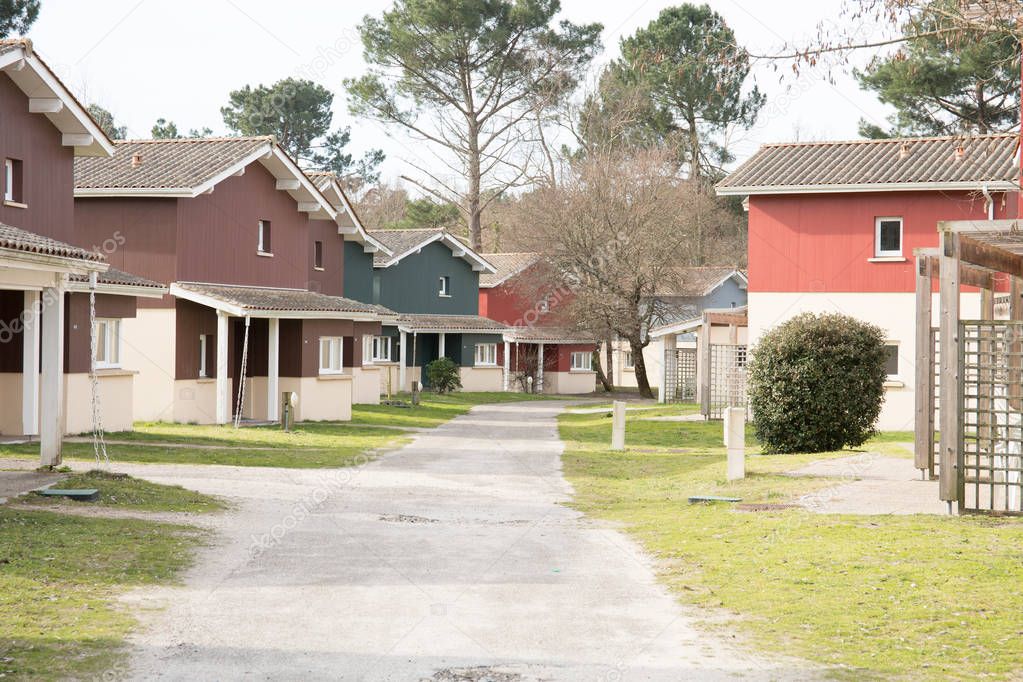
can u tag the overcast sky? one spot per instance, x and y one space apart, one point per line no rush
151 58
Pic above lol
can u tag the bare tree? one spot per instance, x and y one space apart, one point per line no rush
617 228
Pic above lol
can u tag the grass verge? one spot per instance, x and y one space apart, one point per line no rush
124 492
59 578
433 409
914 597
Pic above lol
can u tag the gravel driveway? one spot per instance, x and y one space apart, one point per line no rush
453 558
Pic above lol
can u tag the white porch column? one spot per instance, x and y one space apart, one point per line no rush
30 366
440 345
273 397
402 359
223 390
507 365
539 370
51 412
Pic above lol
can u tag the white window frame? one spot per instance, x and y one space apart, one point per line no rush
108 345
335 355
544 305
376 344
204 340
488 356
444 289
898 373
261 244
878 253
8 179
586 364
628 360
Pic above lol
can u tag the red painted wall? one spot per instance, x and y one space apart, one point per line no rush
516 301
330 280
822 242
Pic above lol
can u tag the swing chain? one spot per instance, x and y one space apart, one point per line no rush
99 444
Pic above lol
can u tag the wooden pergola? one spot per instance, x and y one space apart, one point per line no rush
980 376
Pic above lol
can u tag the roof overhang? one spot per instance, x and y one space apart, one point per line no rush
357 231
458 250
119 289
235 310
23 260
992 186
49 97
509 275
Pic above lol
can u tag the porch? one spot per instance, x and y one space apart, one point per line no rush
472 342
549 360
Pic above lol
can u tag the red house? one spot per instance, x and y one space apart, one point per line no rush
542 352
833 226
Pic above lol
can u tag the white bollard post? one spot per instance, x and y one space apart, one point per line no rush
725 417
735 437
618 425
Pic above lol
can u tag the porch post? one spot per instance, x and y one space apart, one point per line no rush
440 345
949 412
223 391
273 397
51 413
539 369
507 365
402 359
923 447
30 365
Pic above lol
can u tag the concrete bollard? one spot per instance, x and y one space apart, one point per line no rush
725 417
735 437
618 425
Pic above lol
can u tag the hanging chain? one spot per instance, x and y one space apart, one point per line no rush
241 377
99 444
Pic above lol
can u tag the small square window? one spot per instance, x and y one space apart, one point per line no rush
318 255
891 360
108 343
445 286
330 355
13 180
264 244
581 361
486 354
888 237
380 349
627 362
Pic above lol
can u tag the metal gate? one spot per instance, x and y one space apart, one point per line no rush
990 461
679 375
726 380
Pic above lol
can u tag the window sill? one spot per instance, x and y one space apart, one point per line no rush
264 254
894 383
14 204
887 259
380 363
318 269
334 377
114 372
487 367
581 371
444 295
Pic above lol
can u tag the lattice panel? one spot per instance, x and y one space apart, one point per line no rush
727 379
680 375
935 401
991 427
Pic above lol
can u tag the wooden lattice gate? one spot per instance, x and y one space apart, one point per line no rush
990 460
725 383
680 375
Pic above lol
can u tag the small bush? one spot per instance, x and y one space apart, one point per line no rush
443 375
816 383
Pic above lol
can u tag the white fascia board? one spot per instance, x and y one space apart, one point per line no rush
732 274
296 173
167 192
677 328
460 250
994 186
120 289
24 260
256 155
177 291
414 249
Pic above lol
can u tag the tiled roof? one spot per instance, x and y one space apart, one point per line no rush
542 334
16 239
877 164
8 44
165 164
400 241
508 265
450 323
120 278
280 300
694 282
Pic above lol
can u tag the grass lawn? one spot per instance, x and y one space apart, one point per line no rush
915 597
434 409
125 492
59 577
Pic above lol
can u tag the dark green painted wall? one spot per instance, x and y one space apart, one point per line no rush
358 273
412 285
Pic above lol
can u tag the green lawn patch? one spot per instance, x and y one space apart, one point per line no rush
125 492
59 578
914 597
433 409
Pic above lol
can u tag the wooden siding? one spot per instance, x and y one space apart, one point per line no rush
330 280
411 285
358 273
77 343
192 320
822 243
47 167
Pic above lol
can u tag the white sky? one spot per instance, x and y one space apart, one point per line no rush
144 59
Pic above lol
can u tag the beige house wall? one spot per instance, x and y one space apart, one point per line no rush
368 384
480 379
569 383
196 401
147 347
322 398
115 389
10 405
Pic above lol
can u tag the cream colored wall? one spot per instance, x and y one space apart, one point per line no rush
147 347
255 406
412 374
196 401
324 398
10 405
569 383
626 378
115 401
479 379
388 372
368 384
895 313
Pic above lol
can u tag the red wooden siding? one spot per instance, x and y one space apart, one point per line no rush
822 243
330 280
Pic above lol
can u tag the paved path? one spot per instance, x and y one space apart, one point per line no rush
451 559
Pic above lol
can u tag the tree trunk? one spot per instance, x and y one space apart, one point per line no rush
636 344
609 353
605 383
473 198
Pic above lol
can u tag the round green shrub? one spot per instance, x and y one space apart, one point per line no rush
816 383
443 375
